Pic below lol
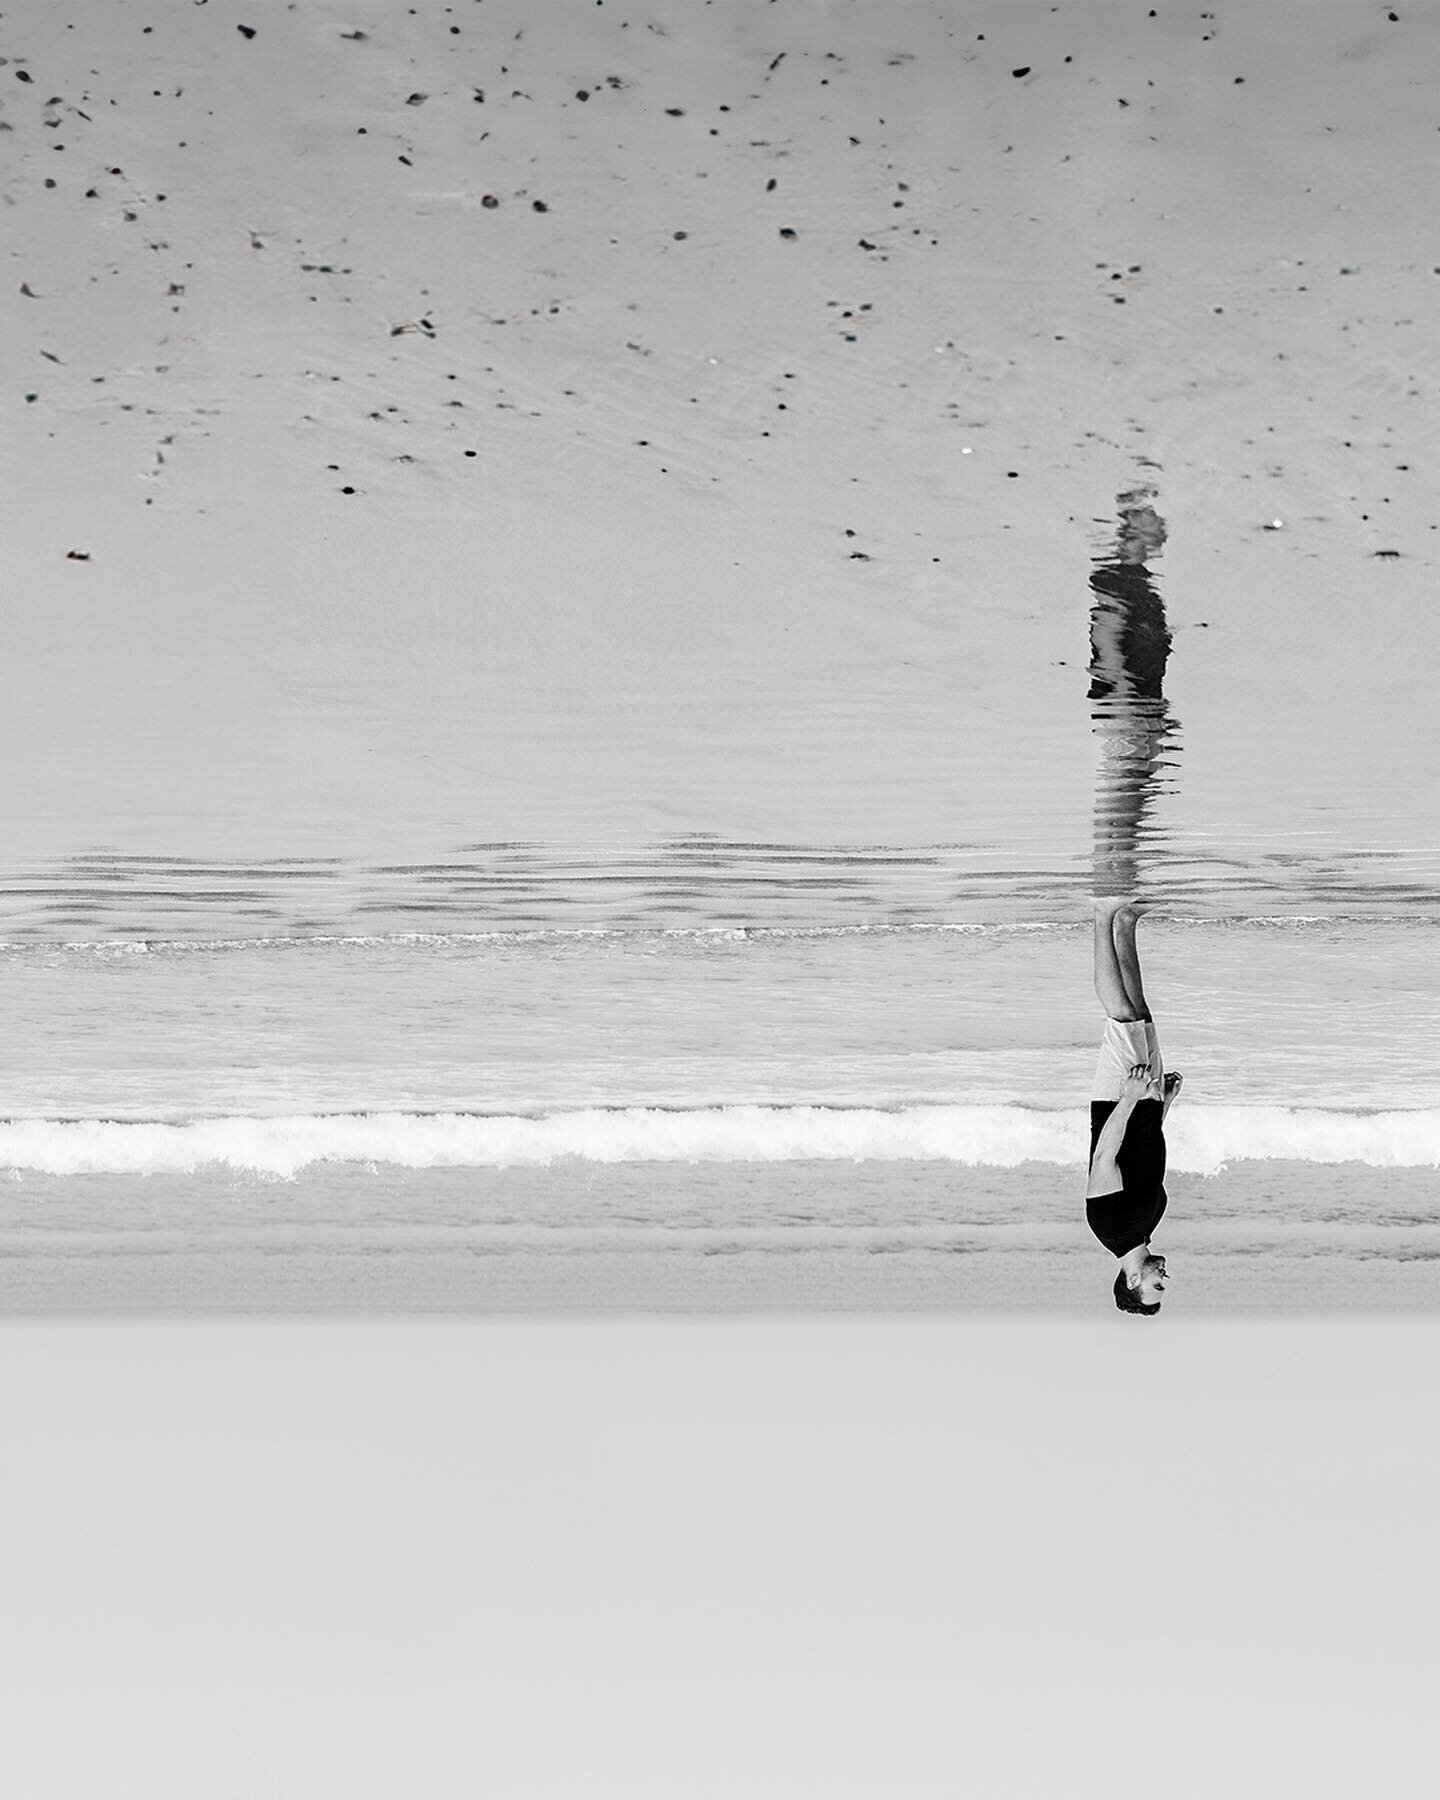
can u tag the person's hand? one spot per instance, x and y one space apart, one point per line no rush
1139 1084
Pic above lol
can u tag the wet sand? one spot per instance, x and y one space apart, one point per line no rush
737 470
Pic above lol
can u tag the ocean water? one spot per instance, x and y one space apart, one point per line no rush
886 1116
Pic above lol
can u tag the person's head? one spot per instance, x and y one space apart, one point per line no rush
1142 1293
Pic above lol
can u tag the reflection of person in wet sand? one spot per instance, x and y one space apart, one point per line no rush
1125 1198
1129 648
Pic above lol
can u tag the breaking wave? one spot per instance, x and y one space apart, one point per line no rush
1203 1141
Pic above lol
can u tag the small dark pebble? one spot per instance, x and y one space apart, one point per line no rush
30 399
858 556
539 206
1013 474
84 555
582 93
1019 73
490 200
787 231
23 75
1387 553
771 185
472 452
675 112
416 99
246 31
679 235
347 490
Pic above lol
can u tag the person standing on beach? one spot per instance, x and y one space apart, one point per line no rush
1125 1197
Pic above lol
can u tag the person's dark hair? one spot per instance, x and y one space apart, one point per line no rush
1128 1298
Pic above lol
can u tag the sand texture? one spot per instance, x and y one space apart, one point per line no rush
593 425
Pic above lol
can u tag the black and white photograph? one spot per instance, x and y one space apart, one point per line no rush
719 899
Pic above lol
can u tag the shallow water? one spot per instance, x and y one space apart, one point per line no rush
1330 1013
796 1120
1016 869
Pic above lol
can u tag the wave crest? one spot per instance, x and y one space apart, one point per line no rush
1202 1141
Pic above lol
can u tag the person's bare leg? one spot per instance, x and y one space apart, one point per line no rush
1128 958
1110 985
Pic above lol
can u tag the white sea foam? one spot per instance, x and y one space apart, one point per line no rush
547 934
110 948
1204 1141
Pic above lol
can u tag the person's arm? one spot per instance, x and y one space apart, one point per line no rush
1105 1176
